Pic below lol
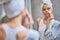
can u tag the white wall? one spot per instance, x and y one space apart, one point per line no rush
56 10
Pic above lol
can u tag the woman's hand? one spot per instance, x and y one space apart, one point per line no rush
29 17
48 21
50 17
26 14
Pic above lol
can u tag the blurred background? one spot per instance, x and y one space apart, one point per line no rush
34 8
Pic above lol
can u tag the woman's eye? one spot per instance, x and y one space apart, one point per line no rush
48 8
44 9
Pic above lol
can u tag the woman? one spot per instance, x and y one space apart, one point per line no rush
45 23
13 29
27 21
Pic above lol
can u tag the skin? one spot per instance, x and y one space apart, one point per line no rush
48 16
2 33
26 22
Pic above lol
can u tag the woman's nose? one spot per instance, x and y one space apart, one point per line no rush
46 10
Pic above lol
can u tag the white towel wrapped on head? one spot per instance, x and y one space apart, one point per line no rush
48 2
12 8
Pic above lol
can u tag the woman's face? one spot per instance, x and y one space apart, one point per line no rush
46 9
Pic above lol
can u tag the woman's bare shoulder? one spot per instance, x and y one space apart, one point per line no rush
22 34
0 26
38 20
2 33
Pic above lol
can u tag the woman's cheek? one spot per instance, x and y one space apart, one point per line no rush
50 11
44 12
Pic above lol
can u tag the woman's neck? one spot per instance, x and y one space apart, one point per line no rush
16 22
45 18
